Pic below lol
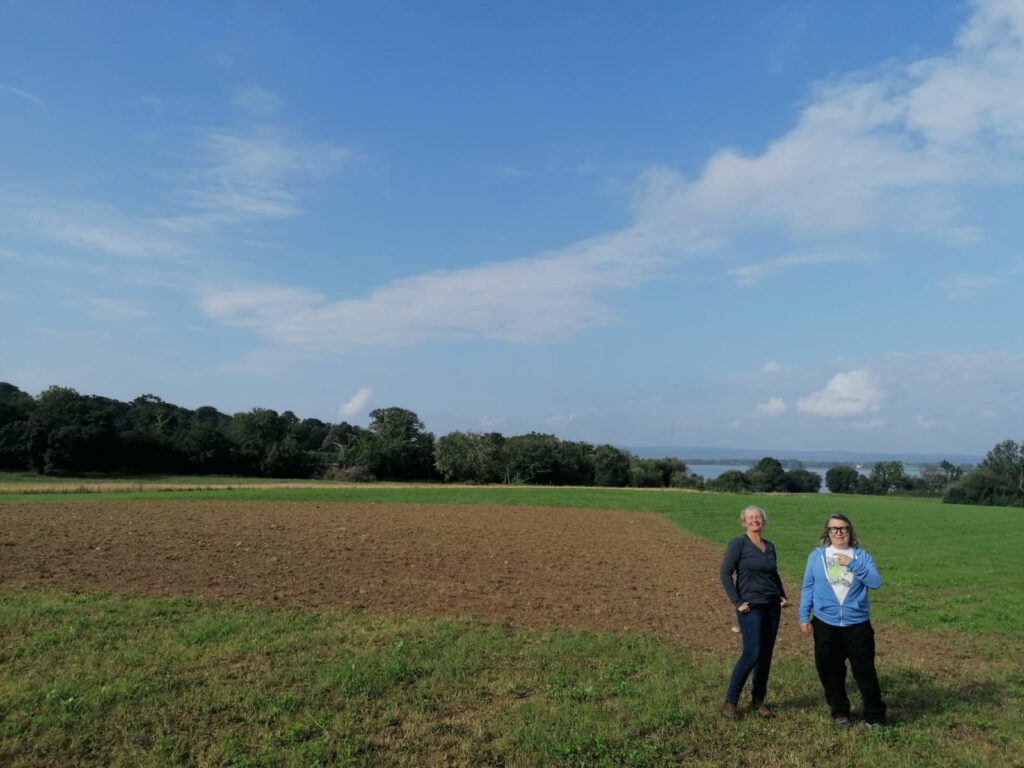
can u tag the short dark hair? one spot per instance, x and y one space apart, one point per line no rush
826 541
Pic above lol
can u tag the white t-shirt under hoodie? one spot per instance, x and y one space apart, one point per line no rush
839 576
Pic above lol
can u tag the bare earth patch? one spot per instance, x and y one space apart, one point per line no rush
532 567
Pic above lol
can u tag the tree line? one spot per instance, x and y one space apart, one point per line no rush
997 481
63 432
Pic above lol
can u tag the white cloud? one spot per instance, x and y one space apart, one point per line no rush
845 394
775 406
357 404
253 177
771 368
83 224
874 151
525 301
115 309
22 94
967 286
257 100
750 274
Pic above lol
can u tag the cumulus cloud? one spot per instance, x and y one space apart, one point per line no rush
776 406
845 394
357 404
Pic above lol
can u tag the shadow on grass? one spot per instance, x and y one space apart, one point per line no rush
917 695
913 695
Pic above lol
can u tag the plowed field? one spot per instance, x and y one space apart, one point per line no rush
532 567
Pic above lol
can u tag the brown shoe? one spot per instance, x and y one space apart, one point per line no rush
763 710
729 711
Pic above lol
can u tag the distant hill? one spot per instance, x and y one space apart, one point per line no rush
704 455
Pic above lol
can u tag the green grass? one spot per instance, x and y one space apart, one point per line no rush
100 680
115 681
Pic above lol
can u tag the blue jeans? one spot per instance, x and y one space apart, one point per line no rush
758 628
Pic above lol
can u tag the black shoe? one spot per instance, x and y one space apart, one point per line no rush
843 721
762 709
876 724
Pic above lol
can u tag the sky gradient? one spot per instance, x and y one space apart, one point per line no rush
793 225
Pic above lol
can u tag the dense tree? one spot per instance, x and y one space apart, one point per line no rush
611 466
767 476
887 477
532 459
469 457
731 481
395 447
15 409
998 480
153 435
802 481
843 480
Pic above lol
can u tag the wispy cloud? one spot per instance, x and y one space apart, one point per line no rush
967 286
257 100
523 301
845 394
253 177
357 404
85 224
871 152
22 94
100 308
754 273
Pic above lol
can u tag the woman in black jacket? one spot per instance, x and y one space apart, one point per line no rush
751 580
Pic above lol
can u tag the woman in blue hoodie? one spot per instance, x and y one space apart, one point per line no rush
834 606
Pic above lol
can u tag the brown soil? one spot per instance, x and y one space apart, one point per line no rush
532 567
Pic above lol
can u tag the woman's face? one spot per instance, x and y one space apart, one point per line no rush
839 533
753 521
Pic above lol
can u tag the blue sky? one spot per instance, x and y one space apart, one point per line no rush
791 225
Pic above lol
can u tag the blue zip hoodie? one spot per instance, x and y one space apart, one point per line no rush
817 595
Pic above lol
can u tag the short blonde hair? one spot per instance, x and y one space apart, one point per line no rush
753 508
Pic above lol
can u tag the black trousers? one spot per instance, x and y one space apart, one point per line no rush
832 647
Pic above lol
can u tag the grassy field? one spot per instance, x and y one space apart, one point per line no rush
113 680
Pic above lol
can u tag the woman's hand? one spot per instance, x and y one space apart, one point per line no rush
744 607
783 602
805 628
844 559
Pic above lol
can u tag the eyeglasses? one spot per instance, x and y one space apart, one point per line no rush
839 529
